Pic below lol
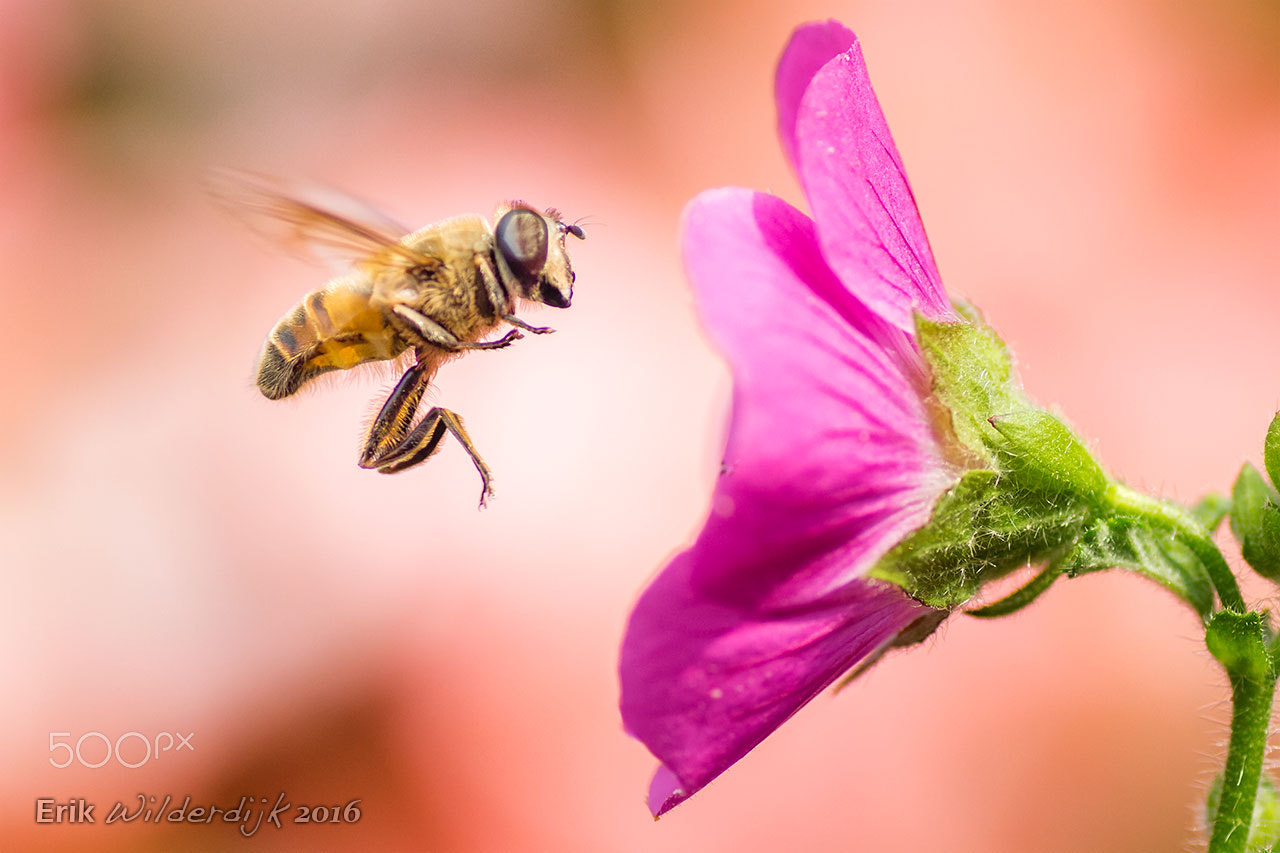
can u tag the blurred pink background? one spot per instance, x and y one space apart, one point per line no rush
179 554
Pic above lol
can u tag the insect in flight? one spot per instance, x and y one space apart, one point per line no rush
434 293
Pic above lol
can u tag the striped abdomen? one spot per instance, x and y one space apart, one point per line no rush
330 329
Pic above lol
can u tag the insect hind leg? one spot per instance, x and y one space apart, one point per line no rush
417 447
392 445
424 440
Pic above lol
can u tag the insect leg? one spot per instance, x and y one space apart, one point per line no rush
416 447
394 419
420 444
504 341
498 296
424 440
537 330
438 336
392 446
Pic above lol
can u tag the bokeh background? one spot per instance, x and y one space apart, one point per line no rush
179 554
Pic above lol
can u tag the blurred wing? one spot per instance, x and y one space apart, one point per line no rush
366 239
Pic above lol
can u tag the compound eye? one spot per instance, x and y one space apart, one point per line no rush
521 236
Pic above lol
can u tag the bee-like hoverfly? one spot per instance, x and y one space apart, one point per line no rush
429 295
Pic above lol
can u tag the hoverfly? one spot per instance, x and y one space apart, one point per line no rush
435 293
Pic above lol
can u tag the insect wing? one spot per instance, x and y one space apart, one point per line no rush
366 239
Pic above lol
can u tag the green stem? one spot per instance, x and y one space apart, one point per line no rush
1250 718
1242 642
1219 572
1022 597
1199 540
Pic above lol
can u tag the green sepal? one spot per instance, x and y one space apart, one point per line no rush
1210 510
1271 451
1023 596
1239 642
1032 492
991 419
1119 540
1255 521
1264 828
973 377
981 530
917 632
1044 456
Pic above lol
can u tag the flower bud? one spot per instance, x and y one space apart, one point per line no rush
1255 521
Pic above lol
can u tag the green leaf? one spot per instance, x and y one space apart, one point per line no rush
1271 451
1269 521
1119 541
1255 522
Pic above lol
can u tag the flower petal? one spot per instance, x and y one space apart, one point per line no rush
852 174
830 461
830 457
811 47
703 682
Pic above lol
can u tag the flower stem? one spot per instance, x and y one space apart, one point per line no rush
1245 646
1251 697
1191 532
1216 565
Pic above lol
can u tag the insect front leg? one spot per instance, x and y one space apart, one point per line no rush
501 302
393 444
537 330
438 336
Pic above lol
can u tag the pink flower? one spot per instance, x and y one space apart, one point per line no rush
831 457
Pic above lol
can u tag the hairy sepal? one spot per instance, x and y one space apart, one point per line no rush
1034 495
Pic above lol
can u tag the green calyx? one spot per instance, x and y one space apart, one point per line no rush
1241 643
1033 493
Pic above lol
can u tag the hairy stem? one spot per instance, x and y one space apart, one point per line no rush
1190 531
1251 698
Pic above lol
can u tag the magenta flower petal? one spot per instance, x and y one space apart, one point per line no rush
663 787
853 177
811 47
831 457
830 460
704 681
